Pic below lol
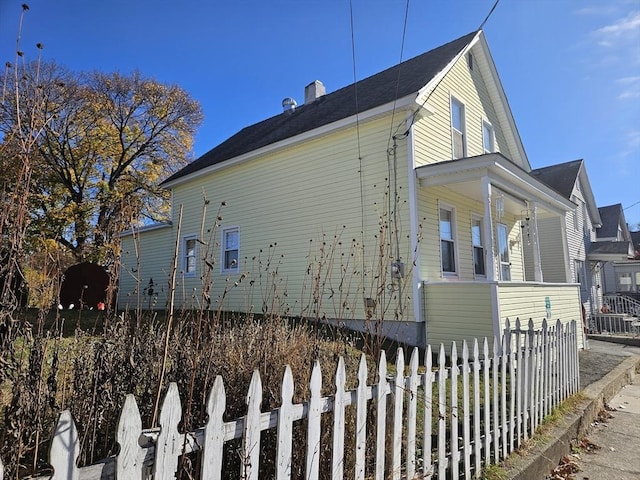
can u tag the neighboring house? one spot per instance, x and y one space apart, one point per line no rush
393 205
568 263
614 250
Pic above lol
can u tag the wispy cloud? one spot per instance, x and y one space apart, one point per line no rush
630 87
625 30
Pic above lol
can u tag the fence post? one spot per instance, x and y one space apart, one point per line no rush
455 449
313 423
65 449
129 462
213 443
361 419
503 395
285 427
169 446
519 386
251 435
496 405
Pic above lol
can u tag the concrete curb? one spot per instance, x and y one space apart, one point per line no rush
537 462
631 341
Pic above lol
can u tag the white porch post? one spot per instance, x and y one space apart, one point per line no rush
488 231
537 262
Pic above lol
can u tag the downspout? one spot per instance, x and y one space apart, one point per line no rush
418 312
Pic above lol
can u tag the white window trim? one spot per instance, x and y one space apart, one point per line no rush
453 98
223 250
185 239
454 236
477 216
493 135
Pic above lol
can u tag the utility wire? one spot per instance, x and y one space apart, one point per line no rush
488 15
355 87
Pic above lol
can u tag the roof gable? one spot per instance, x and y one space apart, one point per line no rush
564 177
612 219
409 77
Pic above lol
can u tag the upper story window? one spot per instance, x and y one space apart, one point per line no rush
488 137
230 249
478 246
447 240
189 249
458 137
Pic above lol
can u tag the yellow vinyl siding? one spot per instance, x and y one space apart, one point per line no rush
458 312
433 133
299 210
527 301
145 256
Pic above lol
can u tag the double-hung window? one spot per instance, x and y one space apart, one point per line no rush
230 249
478 246
458 129
189 259
503 249
447 241
488 137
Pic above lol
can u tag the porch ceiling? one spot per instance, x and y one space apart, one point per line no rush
466 175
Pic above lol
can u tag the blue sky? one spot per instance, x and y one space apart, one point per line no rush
570 68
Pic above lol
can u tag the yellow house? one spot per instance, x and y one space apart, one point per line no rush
397 205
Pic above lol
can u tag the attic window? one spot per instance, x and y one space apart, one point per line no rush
470 60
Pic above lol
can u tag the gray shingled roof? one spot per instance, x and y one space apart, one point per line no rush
374 91
610 220
561 177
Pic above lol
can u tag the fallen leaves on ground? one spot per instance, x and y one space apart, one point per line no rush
565 470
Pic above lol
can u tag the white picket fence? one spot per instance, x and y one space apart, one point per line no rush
475 409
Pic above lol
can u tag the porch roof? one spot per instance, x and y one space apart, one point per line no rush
465 175
609 251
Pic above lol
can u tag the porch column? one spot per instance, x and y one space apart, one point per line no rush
537 262
490 267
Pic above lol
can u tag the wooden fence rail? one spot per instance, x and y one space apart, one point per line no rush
440 419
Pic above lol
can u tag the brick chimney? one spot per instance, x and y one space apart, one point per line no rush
313 91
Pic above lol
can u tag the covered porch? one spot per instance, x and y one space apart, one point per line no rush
473 269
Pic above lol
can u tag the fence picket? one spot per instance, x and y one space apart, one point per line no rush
495 410
455 448
65 449
476 409
129 462
428 413
487 402
361 419
518 374
213 443
313 423
442 413
251 435
466 427
398 390
503 396
169 445
526 385
412 409
338 422
512 396
381 412
285 427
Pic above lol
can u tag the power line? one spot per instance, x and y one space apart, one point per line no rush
488 15
638 202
